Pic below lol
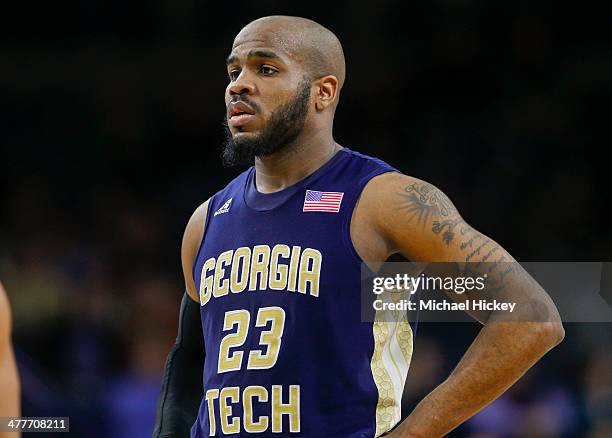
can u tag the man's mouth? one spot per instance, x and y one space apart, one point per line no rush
240 114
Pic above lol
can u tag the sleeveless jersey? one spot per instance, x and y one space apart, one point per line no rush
287 354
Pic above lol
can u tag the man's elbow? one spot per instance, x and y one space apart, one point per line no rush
550 334
558 333
547 328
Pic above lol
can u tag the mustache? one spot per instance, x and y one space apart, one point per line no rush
245 99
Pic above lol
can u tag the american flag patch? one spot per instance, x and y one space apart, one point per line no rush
322 201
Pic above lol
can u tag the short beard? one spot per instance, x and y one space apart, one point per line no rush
284 126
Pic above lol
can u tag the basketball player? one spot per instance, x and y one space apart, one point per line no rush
9 380
272 270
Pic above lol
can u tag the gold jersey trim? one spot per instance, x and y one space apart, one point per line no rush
393 345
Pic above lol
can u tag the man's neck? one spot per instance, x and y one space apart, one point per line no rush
285 168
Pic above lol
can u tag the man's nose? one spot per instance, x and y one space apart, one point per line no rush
242 85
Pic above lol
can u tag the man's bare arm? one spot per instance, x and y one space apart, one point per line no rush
9 378
423 224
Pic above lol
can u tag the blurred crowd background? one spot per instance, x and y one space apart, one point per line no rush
111 127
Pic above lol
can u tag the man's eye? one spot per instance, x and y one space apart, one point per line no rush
266 70
233 75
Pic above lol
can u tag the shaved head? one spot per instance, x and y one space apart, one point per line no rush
309 43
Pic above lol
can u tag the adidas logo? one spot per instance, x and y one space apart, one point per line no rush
225 207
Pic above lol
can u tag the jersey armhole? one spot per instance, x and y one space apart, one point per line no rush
346 226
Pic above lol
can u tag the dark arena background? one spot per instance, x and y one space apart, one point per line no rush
111 129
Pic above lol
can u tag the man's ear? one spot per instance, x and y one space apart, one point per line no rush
326 92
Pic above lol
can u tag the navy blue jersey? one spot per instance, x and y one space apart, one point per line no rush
279 286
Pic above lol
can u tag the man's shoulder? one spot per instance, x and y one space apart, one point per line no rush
192 238
396 183
196 226
394 193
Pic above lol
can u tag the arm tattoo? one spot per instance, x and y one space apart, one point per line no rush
427 206
425 202
446 228
488 257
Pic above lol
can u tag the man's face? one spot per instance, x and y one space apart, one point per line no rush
267 98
